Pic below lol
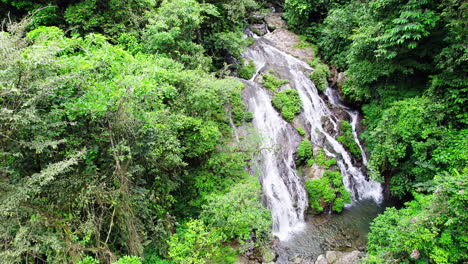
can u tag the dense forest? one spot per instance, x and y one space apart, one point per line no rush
117 123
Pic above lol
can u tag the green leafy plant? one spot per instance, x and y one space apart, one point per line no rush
288 103
347 139
301 131
320 74
327 191
304 150
247 71
272 82
239 213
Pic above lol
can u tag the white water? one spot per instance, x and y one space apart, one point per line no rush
282 186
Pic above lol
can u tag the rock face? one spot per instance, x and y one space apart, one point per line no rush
337 257
259 29
286 41
274 21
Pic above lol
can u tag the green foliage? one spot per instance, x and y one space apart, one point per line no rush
272 82
321 160
327 192
347 139
89 260
304 150
303 16
288 103
431 225
97 141
406 140
239 213
173 31
338 26
301 131
108 17
247 71
128 260
320 74
194 243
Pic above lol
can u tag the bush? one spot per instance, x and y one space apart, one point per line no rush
327 191
288 103
272 82
304 150
430 226
195 243
322 160
301 131
128 260
347 140
248 117
239 213
247 71
320 74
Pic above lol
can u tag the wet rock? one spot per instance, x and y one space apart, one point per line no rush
287 42
259 29
338 257
331 256
340 79
256 18
321 260
274 21
328 125
348 258
313 173
268 255
340 113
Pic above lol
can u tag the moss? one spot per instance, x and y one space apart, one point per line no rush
247 71
288 103
272 82
327 191
301 131
320 74
347 140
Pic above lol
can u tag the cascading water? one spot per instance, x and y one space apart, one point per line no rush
282 185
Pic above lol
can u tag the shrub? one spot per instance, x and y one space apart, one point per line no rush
347 139
304 150
248 117
128 260
239 213
195 243
272 82
301 131
320 74
288 103
327 191
247 71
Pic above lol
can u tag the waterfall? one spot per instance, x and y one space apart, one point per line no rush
282 186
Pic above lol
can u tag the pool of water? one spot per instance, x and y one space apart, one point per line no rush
342 232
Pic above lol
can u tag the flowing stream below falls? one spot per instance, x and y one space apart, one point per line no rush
282 184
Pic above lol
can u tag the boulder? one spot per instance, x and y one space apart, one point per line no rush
340 79
287 42
348 258
274 21
321 260
259 29
256 17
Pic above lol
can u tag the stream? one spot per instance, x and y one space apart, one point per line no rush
301 236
